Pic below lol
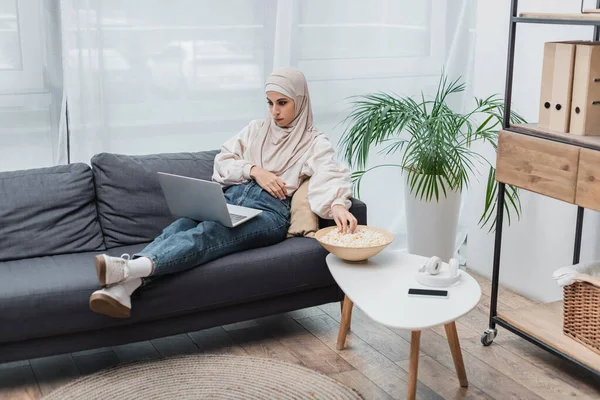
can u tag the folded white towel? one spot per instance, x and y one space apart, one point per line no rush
565 275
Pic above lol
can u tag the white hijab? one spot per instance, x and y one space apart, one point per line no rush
277 149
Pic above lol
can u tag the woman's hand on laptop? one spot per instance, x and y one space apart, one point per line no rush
269 181
345 221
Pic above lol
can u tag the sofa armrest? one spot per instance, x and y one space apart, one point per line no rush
358 209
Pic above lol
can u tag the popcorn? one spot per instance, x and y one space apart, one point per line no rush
362 237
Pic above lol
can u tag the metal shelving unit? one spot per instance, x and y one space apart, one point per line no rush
546 335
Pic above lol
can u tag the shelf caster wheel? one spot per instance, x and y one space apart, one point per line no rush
488 336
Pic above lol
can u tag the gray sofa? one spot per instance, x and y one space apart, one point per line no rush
54 220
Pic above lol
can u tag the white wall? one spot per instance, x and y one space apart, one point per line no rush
542 240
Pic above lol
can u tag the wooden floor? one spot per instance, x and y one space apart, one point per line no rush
375 360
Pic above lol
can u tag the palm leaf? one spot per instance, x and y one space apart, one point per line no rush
437 155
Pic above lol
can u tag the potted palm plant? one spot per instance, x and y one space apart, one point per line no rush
437 157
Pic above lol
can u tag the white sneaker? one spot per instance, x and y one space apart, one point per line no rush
111 270
115 301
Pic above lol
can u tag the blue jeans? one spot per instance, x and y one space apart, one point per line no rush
186 244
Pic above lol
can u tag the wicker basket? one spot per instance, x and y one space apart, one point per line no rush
582 314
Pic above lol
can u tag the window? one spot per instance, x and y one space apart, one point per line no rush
350 47
20 47
28 109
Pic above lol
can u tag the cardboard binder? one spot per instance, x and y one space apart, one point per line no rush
585 106
557 81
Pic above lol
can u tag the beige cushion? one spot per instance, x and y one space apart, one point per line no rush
304 222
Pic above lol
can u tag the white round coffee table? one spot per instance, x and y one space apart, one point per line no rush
379 286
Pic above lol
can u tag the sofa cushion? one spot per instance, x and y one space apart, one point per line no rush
131 205
49 295
303 221
48 211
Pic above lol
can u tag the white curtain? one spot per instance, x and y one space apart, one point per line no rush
157 76
146 76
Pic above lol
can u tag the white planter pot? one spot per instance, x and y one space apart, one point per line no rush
431 225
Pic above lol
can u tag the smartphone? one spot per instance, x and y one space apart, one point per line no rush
428 293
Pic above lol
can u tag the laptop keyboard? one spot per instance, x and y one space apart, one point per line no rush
236 218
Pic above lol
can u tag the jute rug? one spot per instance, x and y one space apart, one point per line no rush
206 377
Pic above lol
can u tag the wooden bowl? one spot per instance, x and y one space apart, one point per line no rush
354 253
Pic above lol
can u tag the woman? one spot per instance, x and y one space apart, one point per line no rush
260 168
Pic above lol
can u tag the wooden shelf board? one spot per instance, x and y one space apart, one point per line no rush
562 16
585 141
545 322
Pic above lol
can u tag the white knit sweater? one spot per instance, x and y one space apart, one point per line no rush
330 182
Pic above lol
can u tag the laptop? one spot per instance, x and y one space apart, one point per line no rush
202 200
